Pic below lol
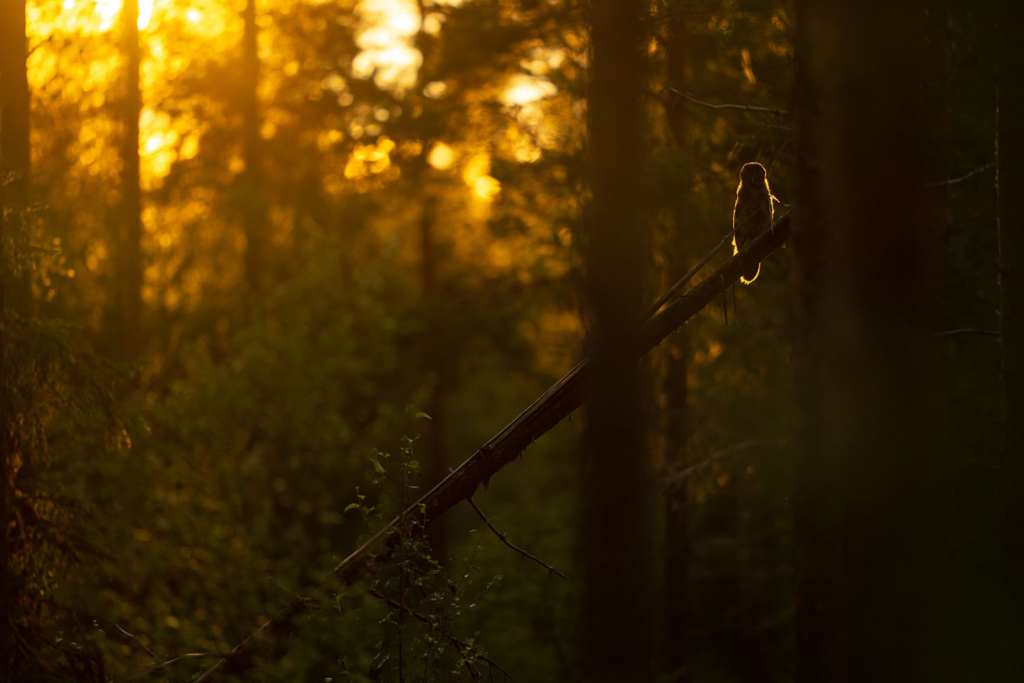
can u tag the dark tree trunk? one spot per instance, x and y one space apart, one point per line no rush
936 127
617 529
865 491
131 200
676 614
1011 282
436 468
15 292
6 627
14 142
676 655
254 205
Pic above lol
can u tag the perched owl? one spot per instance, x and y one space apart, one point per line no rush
754 212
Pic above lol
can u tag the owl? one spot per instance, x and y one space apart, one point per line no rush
754 212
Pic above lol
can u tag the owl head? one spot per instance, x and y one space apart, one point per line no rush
753 173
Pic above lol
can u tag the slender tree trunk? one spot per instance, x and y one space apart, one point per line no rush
6 602
617 529
436 468
676 626
15 159
14 141
936 130
254 211
864 500
131 200
676 655
1011 282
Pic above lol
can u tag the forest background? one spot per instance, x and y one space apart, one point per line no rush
271 269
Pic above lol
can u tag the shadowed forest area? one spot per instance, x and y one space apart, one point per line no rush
438 340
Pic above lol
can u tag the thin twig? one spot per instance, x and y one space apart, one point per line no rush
38 45
169 662
681 282
136 639
967 330
463 647
954 181
732 450
521 551
741 107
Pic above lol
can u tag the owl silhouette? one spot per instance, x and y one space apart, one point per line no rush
753 214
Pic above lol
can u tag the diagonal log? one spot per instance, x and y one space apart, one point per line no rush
554 405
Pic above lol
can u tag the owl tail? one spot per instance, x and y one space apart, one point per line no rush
751 275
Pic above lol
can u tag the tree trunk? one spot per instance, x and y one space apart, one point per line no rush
15 292
864 501
676 655
436 468
131 201
676 614
1011 283
14 144
617 529
6 627
254 204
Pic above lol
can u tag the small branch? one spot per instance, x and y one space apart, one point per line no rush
967 330
732 450
136 639
523 553
38 45
741 107
656 306
954 181
170 662
462 647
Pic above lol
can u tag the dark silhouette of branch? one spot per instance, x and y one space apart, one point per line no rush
554 405
967 330
752 444
501 536
960 179
741 107
170 662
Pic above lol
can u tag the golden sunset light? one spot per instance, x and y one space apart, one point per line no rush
437 341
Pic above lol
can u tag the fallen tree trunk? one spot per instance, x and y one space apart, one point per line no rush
552 407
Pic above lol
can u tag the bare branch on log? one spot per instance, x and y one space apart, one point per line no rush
960 179
501 536
954 333
740 107
554 405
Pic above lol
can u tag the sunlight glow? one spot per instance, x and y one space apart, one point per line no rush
109 9
476 175
386 43
523 89
441 156
145 13
370 159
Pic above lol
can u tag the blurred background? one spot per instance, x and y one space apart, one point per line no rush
246 242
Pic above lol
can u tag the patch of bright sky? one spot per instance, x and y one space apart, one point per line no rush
524 89
109 9
386 43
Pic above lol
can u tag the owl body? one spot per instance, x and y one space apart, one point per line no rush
753 214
